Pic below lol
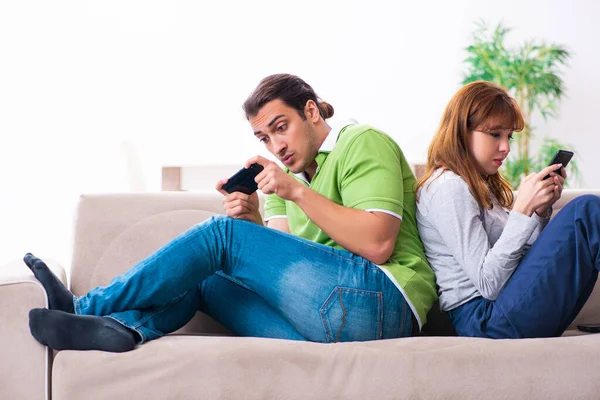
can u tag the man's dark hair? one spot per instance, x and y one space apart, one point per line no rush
290 89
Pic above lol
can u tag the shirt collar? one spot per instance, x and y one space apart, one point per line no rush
328 144
331 139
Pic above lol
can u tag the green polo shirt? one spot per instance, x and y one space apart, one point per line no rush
365 169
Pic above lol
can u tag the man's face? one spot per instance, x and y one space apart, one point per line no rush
286 135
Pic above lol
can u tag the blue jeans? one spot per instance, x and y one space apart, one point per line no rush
256 281
550 285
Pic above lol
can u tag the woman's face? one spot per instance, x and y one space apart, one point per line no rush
490 148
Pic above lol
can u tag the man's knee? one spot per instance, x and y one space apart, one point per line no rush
214 220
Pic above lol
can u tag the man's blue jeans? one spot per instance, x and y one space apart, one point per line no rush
550 285
257 282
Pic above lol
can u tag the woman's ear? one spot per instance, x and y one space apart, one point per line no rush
311 111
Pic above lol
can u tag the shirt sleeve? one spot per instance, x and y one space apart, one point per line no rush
456 215
274 207
371 174
542 222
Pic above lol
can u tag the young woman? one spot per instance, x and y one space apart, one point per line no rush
502 269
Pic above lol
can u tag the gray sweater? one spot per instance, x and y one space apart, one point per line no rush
473 251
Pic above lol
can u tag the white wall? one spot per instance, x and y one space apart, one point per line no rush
88 86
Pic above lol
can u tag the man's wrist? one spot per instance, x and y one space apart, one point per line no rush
258 218
299 193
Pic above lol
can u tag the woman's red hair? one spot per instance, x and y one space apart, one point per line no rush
481 106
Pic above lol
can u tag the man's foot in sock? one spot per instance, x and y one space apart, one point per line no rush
59 297
63 331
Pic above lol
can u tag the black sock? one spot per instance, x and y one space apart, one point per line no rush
59 297
63 331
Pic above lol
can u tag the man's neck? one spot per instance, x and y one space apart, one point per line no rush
323 130
310 171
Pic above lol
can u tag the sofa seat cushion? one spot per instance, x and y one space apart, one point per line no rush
191 367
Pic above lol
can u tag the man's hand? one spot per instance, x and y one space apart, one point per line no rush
240 205
273 179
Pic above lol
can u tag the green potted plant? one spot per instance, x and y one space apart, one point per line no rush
530 73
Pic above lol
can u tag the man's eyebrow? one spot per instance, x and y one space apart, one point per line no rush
270 123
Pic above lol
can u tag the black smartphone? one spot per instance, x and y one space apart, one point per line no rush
561 157
243 180
591 328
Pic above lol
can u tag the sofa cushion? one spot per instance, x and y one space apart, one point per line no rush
250 368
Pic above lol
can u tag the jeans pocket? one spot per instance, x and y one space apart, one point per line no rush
352 315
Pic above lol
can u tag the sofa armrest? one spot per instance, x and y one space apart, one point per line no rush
24 362
57 269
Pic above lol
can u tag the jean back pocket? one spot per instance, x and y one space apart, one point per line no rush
352 315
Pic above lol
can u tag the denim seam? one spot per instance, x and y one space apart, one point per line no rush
344 320
322 312
234 280
380 316
403 319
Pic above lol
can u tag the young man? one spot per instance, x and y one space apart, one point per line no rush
353 267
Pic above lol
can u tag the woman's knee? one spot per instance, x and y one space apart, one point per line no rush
586 202
587 199
582 208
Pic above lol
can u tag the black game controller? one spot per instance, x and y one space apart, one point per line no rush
243 180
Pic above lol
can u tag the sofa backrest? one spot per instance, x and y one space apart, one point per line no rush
115 231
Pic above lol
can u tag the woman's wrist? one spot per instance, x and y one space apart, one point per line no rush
523 209
544 213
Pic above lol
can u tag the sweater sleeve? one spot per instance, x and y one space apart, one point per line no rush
456 215
541 224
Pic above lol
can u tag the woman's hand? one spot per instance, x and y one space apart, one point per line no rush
240 205
273 179
538 194
559 180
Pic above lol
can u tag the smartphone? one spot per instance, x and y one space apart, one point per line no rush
561 157
243 180
591 328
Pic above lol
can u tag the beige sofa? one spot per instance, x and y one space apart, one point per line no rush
112 232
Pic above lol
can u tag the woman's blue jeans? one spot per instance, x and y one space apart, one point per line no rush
256 281
550 285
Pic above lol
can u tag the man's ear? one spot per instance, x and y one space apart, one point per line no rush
311 111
